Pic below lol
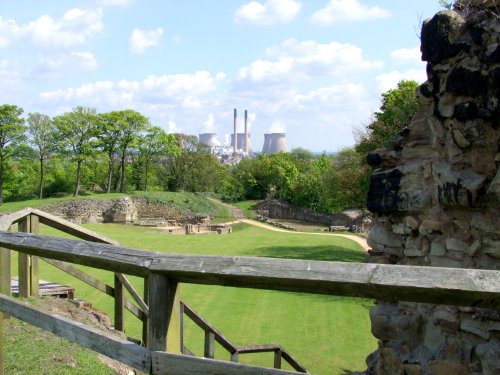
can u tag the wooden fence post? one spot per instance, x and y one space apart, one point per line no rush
24 262
119 304
163 322
5 276
277 358
34 273
209 351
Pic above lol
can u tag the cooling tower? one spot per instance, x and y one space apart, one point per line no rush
241 142
209 139
266 149
278 143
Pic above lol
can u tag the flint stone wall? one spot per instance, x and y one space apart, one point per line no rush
120 210
436 199
278 209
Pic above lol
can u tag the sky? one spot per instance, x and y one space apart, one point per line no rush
314 69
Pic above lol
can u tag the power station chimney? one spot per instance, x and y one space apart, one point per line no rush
245 148
235 144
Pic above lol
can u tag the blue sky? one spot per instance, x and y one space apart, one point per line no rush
314 69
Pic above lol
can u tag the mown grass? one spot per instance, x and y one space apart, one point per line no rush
29 350
327 334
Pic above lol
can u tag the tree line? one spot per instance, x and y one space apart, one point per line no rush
121 151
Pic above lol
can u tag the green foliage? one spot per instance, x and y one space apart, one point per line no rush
398 107
42 136
76 131
446 4
11 134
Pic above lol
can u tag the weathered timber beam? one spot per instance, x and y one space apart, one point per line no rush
122 350
136 356
173 364
93 282
71 228
137 298
453 286
207 327
97 255
8 219
246 349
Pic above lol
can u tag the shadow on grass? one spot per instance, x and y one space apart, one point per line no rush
327 253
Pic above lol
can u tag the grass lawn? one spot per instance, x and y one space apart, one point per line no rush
327 334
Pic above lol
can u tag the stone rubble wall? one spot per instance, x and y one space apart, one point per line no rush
120 210
436 199
278 209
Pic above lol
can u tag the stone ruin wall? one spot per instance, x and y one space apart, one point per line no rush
436 199
278 209
120 210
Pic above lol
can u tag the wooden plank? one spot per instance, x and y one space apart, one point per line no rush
163 317
6 221
71 228
292 362
97 255
1 344
99 285
453 286
172 364
80 275
209 347
207 327
23 262
137 298
277 358
5 271
119 349
258 348
34 272
119 304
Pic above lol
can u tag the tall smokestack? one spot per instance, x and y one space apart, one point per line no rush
245 148
235 144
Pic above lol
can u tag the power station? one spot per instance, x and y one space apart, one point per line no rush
240 144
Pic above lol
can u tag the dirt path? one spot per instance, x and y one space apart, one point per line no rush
357 239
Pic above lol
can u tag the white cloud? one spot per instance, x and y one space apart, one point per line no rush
75 27
407 55
173 128
115 3
140 40
347 10
60 63
181 90
296 60
209 124
269 12
277 127
387 81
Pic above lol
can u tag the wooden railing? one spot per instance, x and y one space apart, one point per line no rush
213 335
163 272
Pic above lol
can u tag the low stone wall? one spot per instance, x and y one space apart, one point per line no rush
121 210
278 209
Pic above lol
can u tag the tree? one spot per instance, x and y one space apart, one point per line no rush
42 136
154 144
398 107
108 132
76 131
11 134
131 123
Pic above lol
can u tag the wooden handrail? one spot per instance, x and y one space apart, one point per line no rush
453 286
207 327
136 356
